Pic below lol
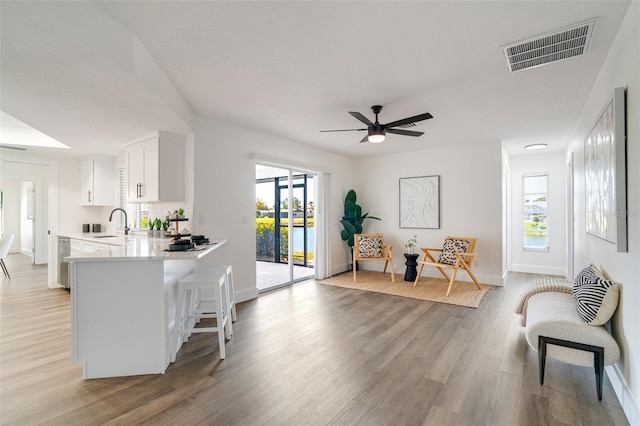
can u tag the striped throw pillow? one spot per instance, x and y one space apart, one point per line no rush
596 296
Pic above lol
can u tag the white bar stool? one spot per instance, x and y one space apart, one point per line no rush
194 285
227 270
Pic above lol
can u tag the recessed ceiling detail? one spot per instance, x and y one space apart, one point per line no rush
550 47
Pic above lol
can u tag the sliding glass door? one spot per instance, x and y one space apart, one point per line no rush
285 228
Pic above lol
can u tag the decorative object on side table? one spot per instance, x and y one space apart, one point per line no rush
411 244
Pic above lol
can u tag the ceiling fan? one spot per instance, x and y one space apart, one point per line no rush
376 131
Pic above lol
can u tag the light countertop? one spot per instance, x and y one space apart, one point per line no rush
136 247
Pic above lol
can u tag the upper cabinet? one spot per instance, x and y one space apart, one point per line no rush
155 168
97 181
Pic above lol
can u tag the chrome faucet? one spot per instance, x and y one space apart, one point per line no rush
126 225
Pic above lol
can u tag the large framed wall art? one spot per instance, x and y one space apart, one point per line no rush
605 174
420 202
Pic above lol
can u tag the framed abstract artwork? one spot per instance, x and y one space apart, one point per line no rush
605 174
420 202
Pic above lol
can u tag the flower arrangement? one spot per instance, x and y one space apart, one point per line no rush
411 244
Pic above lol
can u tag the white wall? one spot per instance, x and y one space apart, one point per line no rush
539 262
621 69
470 202
225 192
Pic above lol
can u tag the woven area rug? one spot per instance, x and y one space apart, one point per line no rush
433 289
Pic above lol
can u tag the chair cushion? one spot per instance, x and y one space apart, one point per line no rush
596 297
370 246
450 247
553 314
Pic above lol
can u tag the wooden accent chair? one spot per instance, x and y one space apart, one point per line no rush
456 253
372 247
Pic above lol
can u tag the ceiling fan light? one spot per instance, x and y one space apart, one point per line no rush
376 135
376 138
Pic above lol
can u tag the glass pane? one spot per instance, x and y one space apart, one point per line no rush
265 221
535 184
535 212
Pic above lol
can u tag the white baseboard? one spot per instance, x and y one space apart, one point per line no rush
26 252
536 269
625 396
244 295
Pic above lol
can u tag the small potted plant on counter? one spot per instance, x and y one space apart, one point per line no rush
151 226
165 228
158 224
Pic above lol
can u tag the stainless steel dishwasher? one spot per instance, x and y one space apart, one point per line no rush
64 250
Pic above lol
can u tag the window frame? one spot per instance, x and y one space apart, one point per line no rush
525 247
135 211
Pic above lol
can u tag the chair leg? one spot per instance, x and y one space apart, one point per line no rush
353 266
177 323
473 277
542 357
4 269
220 319
393 275
415 283
598 357
444 274
453 278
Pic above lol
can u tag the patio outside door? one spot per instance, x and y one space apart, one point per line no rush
285 227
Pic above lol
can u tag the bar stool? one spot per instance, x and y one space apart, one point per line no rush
227 270
194 287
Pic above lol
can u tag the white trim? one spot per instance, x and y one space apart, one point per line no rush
52 269
286 164
536 269
625 397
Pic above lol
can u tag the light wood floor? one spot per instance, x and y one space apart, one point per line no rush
305 355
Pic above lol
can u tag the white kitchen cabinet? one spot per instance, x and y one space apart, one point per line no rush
97 181
156 168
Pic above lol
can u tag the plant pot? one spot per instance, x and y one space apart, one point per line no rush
150 233
157 233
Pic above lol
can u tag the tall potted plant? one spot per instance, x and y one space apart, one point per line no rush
352 220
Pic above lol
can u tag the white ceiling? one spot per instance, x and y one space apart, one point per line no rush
77 72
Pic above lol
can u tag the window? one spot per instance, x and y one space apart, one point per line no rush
536 216
138 214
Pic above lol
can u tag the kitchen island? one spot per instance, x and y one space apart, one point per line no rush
123 305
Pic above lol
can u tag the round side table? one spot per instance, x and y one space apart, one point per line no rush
411 272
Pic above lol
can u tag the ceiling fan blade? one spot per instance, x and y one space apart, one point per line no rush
344 130
408 120
365 139
361 117
405 132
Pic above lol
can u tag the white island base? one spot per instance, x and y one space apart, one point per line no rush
122 312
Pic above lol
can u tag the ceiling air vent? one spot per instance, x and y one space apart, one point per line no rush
551 47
